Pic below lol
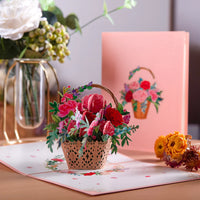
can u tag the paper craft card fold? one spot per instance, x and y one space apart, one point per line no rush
166 55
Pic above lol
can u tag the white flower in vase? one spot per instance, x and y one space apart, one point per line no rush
18 17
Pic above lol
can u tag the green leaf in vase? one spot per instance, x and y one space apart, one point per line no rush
72 21
8 49
58 13
51 18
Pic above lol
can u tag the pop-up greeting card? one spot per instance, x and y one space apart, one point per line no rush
157 92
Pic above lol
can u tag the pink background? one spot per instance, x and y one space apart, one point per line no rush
166 54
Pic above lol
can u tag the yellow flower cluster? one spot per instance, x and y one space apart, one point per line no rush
174 145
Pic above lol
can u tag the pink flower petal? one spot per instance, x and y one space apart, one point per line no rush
108 129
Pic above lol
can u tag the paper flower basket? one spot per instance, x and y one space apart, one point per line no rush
87 129
141 94
94 156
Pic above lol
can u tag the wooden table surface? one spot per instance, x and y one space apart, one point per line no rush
14 186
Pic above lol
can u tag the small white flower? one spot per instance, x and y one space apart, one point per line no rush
77 118
18 17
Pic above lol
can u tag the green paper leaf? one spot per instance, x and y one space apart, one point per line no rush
105 137
56 118
159 99
120 107
156 106
133 72
60 93
123 142
159 93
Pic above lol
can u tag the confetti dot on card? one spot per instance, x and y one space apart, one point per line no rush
32 156
98 184
7 156
29 167
113 177
74 179
147 176
38 150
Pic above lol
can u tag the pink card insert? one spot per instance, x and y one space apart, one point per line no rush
166 54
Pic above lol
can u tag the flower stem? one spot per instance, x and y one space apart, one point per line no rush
96 18
34 93
30 103
26 104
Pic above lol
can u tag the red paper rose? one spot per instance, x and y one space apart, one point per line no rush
96 102
129 96
90 116
114 116
145 85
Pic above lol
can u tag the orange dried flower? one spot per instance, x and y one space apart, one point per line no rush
160 146
176 145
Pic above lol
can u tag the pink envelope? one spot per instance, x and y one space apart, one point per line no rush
166 55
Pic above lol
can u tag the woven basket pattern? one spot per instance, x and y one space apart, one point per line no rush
94 155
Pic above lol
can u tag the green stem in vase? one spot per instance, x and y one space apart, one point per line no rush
27 109
34 92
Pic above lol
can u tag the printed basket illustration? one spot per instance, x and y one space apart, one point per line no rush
95 153
139 114
142 108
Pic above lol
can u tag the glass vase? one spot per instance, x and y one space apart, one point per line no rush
30 92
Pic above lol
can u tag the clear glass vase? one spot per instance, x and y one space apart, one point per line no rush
30 92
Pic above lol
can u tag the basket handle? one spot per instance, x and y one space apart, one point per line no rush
108 91
141 68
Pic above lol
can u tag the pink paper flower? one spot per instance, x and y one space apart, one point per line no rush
57 159
134 85
91 127
140 95
153 95
66 96
108 129
71 125
62 124
85 101
95 103
65 108
126 118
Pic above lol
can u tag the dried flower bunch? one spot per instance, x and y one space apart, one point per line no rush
88 119
176 150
